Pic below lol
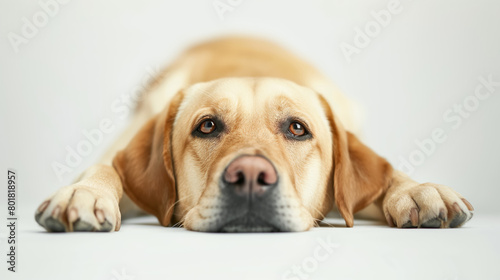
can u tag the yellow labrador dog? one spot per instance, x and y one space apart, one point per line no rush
239 135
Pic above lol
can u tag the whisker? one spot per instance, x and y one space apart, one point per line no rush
173 205
320 214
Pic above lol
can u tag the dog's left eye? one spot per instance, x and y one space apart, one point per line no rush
297 129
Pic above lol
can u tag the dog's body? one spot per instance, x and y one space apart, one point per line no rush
240 135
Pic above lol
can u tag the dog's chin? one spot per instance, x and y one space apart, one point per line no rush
248 223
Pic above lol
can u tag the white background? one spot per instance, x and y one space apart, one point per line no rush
428 58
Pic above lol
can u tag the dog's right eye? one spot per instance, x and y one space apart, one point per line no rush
207 127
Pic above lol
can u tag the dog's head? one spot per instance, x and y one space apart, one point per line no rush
249 154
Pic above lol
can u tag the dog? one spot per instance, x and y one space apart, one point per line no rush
240 135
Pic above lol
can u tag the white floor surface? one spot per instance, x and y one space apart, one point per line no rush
142 249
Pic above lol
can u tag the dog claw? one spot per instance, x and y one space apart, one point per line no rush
99 215
43 206
467 203
414 217
72 215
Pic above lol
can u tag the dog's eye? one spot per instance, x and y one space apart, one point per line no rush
297 129
207 127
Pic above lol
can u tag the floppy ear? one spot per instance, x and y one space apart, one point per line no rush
360 175
145 165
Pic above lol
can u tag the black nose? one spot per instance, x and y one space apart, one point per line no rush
250 175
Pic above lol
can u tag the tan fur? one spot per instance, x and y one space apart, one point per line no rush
253 85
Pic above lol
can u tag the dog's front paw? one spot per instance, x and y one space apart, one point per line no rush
427 206
79 208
